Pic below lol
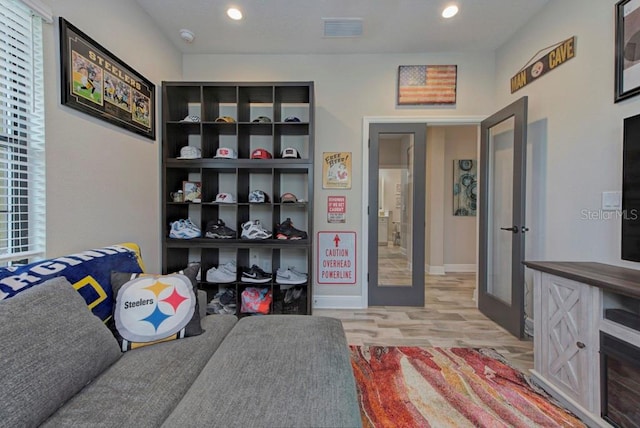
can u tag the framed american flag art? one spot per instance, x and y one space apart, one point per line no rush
427 84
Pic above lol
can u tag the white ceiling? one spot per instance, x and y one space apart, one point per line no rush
296 27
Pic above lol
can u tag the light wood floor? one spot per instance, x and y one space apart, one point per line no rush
449 319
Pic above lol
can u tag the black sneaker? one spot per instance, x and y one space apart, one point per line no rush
255 274
293 293
228 297
285 230
218 230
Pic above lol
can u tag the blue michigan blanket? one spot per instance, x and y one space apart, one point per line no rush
88 271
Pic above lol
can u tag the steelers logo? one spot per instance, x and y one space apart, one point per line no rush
537 68
151 308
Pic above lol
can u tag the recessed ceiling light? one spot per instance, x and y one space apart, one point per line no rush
450 11
234 13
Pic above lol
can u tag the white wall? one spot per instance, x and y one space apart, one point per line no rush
434 200
460 244
575 131
102 181
348 88
390 169
392 178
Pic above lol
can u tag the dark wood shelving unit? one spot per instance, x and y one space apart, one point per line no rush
243 101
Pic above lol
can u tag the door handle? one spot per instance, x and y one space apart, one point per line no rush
513 229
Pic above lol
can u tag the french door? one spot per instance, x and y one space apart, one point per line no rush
503 156
397 158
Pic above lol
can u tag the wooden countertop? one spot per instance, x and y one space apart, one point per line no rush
608 277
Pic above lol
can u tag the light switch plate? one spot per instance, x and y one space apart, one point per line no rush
612 201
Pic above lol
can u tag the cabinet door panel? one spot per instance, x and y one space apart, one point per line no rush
566 304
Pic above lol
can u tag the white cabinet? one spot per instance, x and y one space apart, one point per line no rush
570 301
565 342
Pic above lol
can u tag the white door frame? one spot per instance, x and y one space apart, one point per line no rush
427 120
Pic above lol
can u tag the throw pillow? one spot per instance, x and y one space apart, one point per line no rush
51 347
89 272
155 308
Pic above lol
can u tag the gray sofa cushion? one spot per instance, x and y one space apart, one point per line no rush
275 371
51 347
146 384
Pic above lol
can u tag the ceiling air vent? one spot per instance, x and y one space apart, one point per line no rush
342 27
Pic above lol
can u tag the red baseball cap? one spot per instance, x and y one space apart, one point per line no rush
261 154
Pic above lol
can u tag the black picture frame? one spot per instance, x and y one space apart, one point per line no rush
627 47
192 191
98 83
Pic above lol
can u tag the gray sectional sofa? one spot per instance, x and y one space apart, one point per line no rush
62 367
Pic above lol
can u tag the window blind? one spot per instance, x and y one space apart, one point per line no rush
22 185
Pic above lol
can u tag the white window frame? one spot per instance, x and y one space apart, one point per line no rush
22 155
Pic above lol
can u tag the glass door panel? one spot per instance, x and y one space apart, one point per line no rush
500 215
395 213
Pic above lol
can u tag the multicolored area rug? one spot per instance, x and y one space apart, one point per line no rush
448 387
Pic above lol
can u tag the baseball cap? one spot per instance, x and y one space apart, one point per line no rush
190 152
290 152
288 197
258 197
191 118
224 198
262 119
227 119
291 119
226 153
261 154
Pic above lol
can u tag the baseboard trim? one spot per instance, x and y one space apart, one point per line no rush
470 268
338 302
434 270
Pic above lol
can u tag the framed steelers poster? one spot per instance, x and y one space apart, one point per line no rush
96 82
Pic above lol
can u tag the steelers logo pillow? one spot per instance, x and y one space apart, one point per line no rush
153 308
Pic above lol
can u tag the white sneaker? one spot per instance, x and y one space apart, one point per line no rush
224 274
290 276
191 225
294 270
254 230
230 266
184 229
